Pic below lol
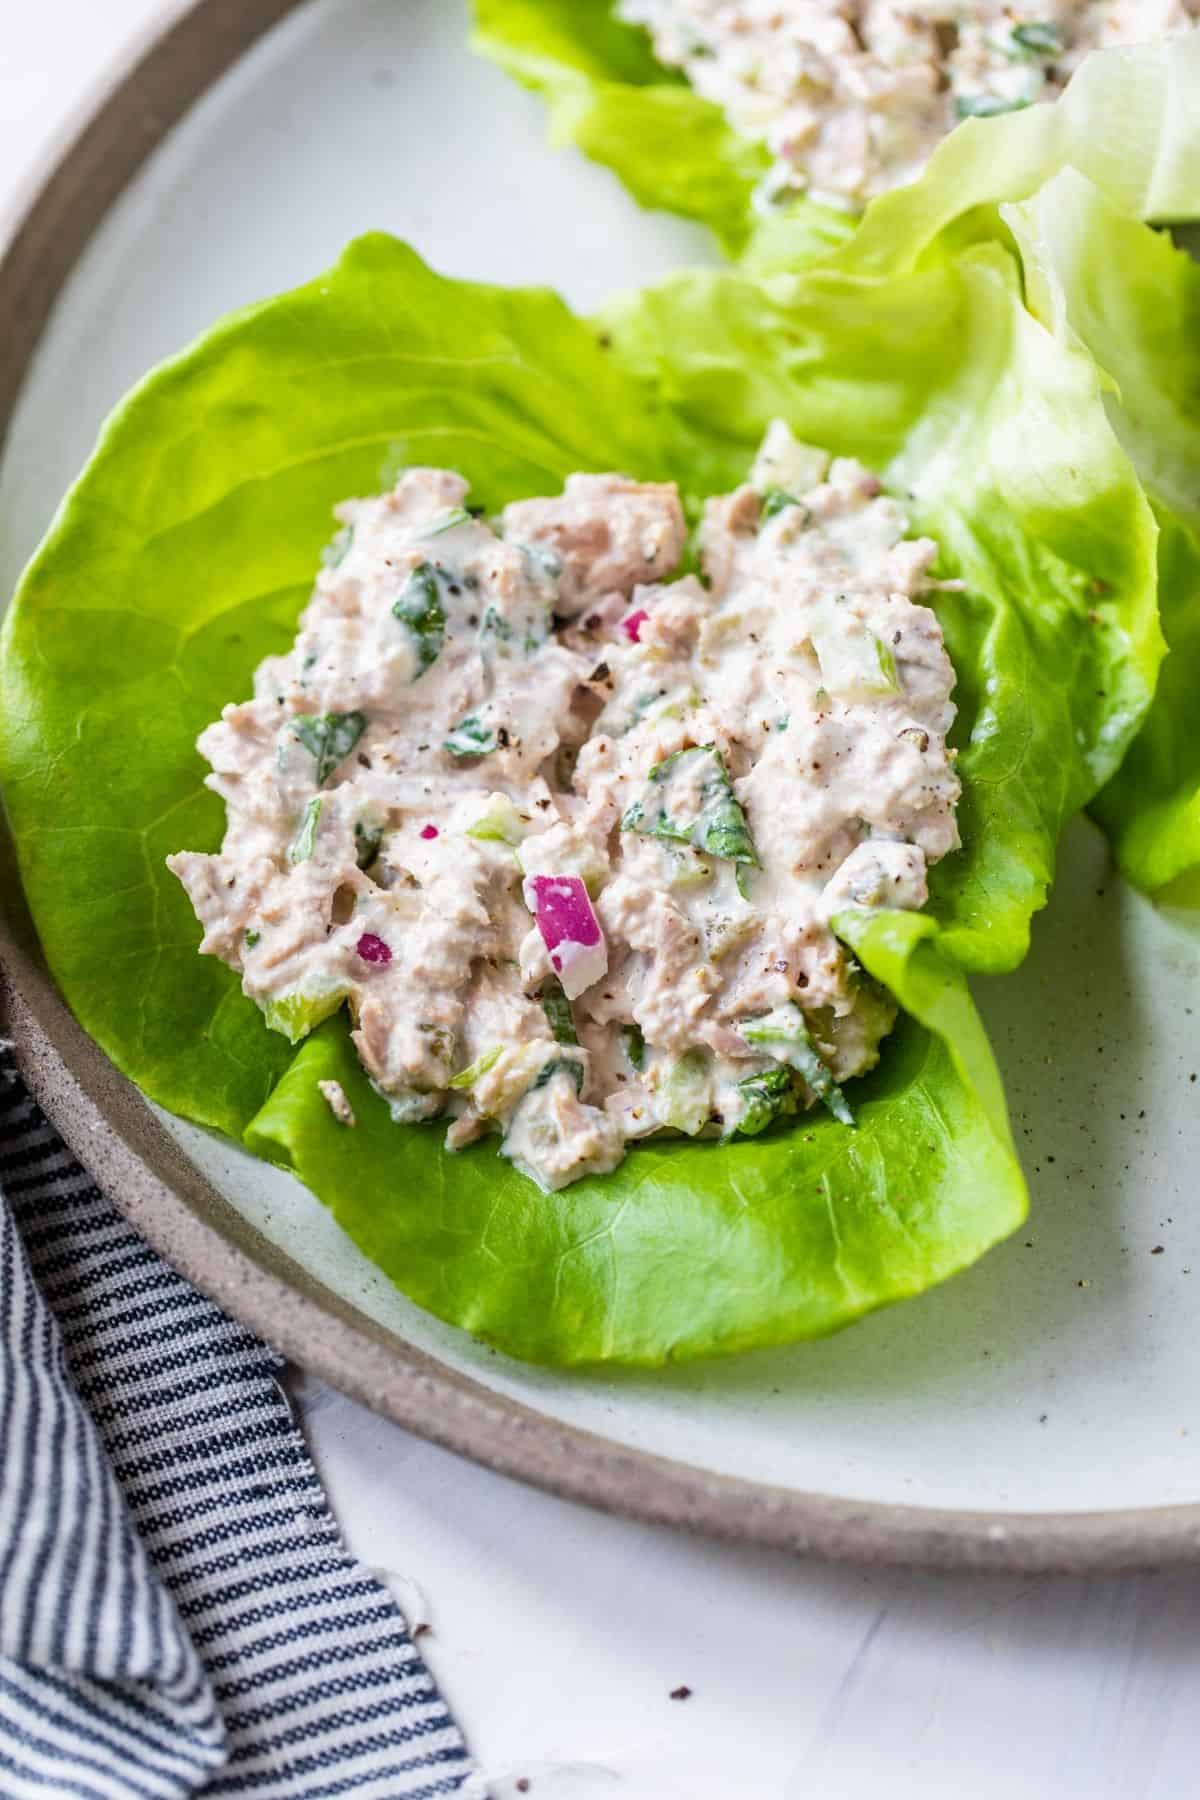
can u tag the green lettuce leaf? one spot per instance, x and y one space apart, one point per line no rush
608 95
186 550
1094 274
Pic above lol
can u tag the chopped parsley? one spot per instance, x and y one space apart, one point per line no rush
718 826
420 609
329 737
470 737
557 1009
1041 37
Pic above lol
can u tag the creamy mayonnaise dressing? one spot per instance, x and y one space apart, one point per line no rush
567 834
852 96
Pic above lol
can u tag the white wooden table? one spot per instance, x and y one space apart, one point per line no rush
559 1635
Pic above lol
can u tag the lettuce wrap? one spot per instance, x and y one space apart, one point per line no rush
1128 120
187 548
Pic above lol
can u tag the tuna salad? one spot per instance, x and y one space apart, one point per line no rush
852 96
565 828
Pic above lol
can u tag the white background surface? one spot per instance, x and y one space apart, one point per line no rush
558 1634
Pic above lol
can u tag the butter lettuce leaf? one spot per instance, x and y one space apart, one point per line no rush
186 550
607 94
1095 275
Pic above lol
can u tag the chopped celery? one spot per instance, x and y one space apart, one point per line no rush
305 840
295 1015
855 664
686 1102
467 1077
686 867
498 823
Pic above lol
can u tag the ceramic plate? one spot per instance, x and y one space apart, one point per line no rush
1041 1410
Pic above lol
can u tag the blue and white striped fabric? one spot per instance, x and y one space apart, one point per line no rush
177 1612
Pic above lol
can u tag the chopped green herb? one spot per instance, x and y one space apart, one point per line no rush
336 550
635 1046
741 876
541 565
1041 37
887 666
986 106
252 938
500 823
785 1034
308 662
767 1095
367 838
495 625
560 1065
775 501
469 1076
459 515
306 838
719 825
557 1009
420 609
641 707
329 737
470 737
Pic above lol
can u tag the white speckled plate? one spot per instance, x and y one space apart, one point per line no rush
1062 1374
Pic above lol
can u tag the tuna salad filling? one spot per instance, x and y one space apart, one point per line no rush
566 829
853 96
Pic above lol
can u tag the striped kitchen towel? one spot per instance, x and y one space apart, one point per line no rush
177 1612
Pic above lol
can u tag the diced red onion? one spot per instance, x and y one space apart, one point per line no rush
570 930
429 831
632 624
372 949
